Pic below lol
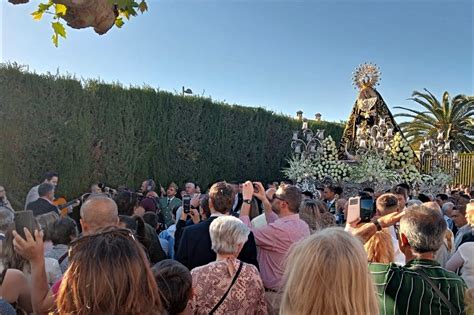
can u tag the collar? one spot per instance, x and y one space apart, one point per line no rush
292 217
422 263
217 215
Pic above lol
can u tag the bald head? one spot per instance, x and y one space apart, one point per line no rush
433 205
98 212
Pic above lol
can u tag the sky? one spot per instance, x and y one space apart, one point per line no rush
281 55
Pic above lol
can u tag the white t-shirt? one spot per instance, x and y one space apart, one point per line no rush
466 251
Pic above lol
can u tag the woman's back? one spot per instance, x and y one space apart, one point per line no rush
210 282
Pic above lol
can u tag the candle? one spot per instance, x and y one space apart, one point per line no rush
389 132
440 135
362 144
305 125
295 135
298 149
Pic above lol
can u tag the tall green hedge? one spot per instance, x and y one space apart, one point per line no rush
90 131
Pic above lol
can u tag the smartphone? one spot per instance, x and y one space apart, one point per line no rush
186 204
25 219
367 209
353 209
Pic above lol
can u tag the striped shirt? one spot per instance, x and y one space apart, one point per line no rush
401 290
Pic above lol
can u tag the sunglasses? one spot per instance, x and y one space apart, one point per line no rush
275 196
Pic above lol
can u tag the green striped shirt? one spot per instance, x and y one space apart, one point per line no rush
401 290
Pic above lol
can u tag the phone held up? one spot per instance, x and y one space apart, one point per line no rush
186 204
25 219
360 208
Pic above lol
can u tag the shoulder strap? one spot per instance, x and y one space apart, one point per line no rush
228 290
61 259
438 292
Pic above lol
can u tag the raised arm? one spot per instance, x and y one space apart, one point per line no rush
42 297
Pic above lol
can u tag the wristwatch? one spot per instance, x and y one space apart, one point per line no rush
377 224
248 201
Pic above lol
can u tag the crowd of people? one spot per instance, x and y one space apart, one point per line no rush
238 248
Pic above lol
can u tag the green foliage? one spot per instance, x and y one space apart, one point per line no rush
91 131
124 8
452 116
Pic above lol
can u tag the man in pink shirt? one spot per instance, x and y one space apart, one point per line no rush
284 228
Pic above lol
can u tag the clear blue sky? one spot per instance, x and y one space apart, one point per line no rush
280 55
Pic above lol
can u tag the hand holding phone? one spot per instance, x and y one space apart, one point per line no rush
186 204
353 210
25 219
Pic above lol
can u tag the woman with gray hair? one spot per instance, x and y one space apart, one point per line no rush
227 285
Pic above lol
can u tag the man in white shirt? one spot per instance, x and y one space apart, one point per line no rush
386 204
460 220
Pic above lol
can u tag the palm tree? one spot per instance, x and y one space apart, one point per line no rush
452 116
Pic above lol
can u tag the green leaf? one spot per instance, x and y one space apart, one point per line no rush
55 39
125 13
119 22
59 29
44 6
143 6
37 15
60 9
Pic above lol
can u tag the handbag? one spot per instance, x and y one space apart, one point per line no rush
228 290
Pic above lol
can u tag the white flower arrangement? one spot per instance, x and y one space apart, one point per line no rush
324 166
436 182
401 158
328 165
374 169
299 168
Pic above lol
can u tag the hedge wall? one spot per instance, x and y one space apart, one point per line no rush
90 131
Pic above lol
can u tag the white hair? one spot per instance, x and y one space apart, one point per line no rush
227 234
447 206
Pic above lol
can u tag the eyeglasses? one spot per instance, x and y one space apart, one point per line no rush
275 196
109 231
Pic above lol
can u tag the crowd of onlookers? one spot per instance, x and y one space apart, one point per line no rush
238 248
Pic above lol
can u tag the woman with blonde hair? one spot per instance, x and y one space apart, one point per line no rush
108 274
379 248
336 261
316 214
310 213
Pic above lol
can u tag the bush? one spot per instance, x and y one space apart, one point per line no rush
90 131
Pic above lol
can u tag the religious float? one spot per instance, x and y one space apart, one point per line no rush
373 152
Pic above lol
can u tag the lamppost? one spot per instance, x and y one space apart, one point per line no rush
433 151
306 143
186 91
376 138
